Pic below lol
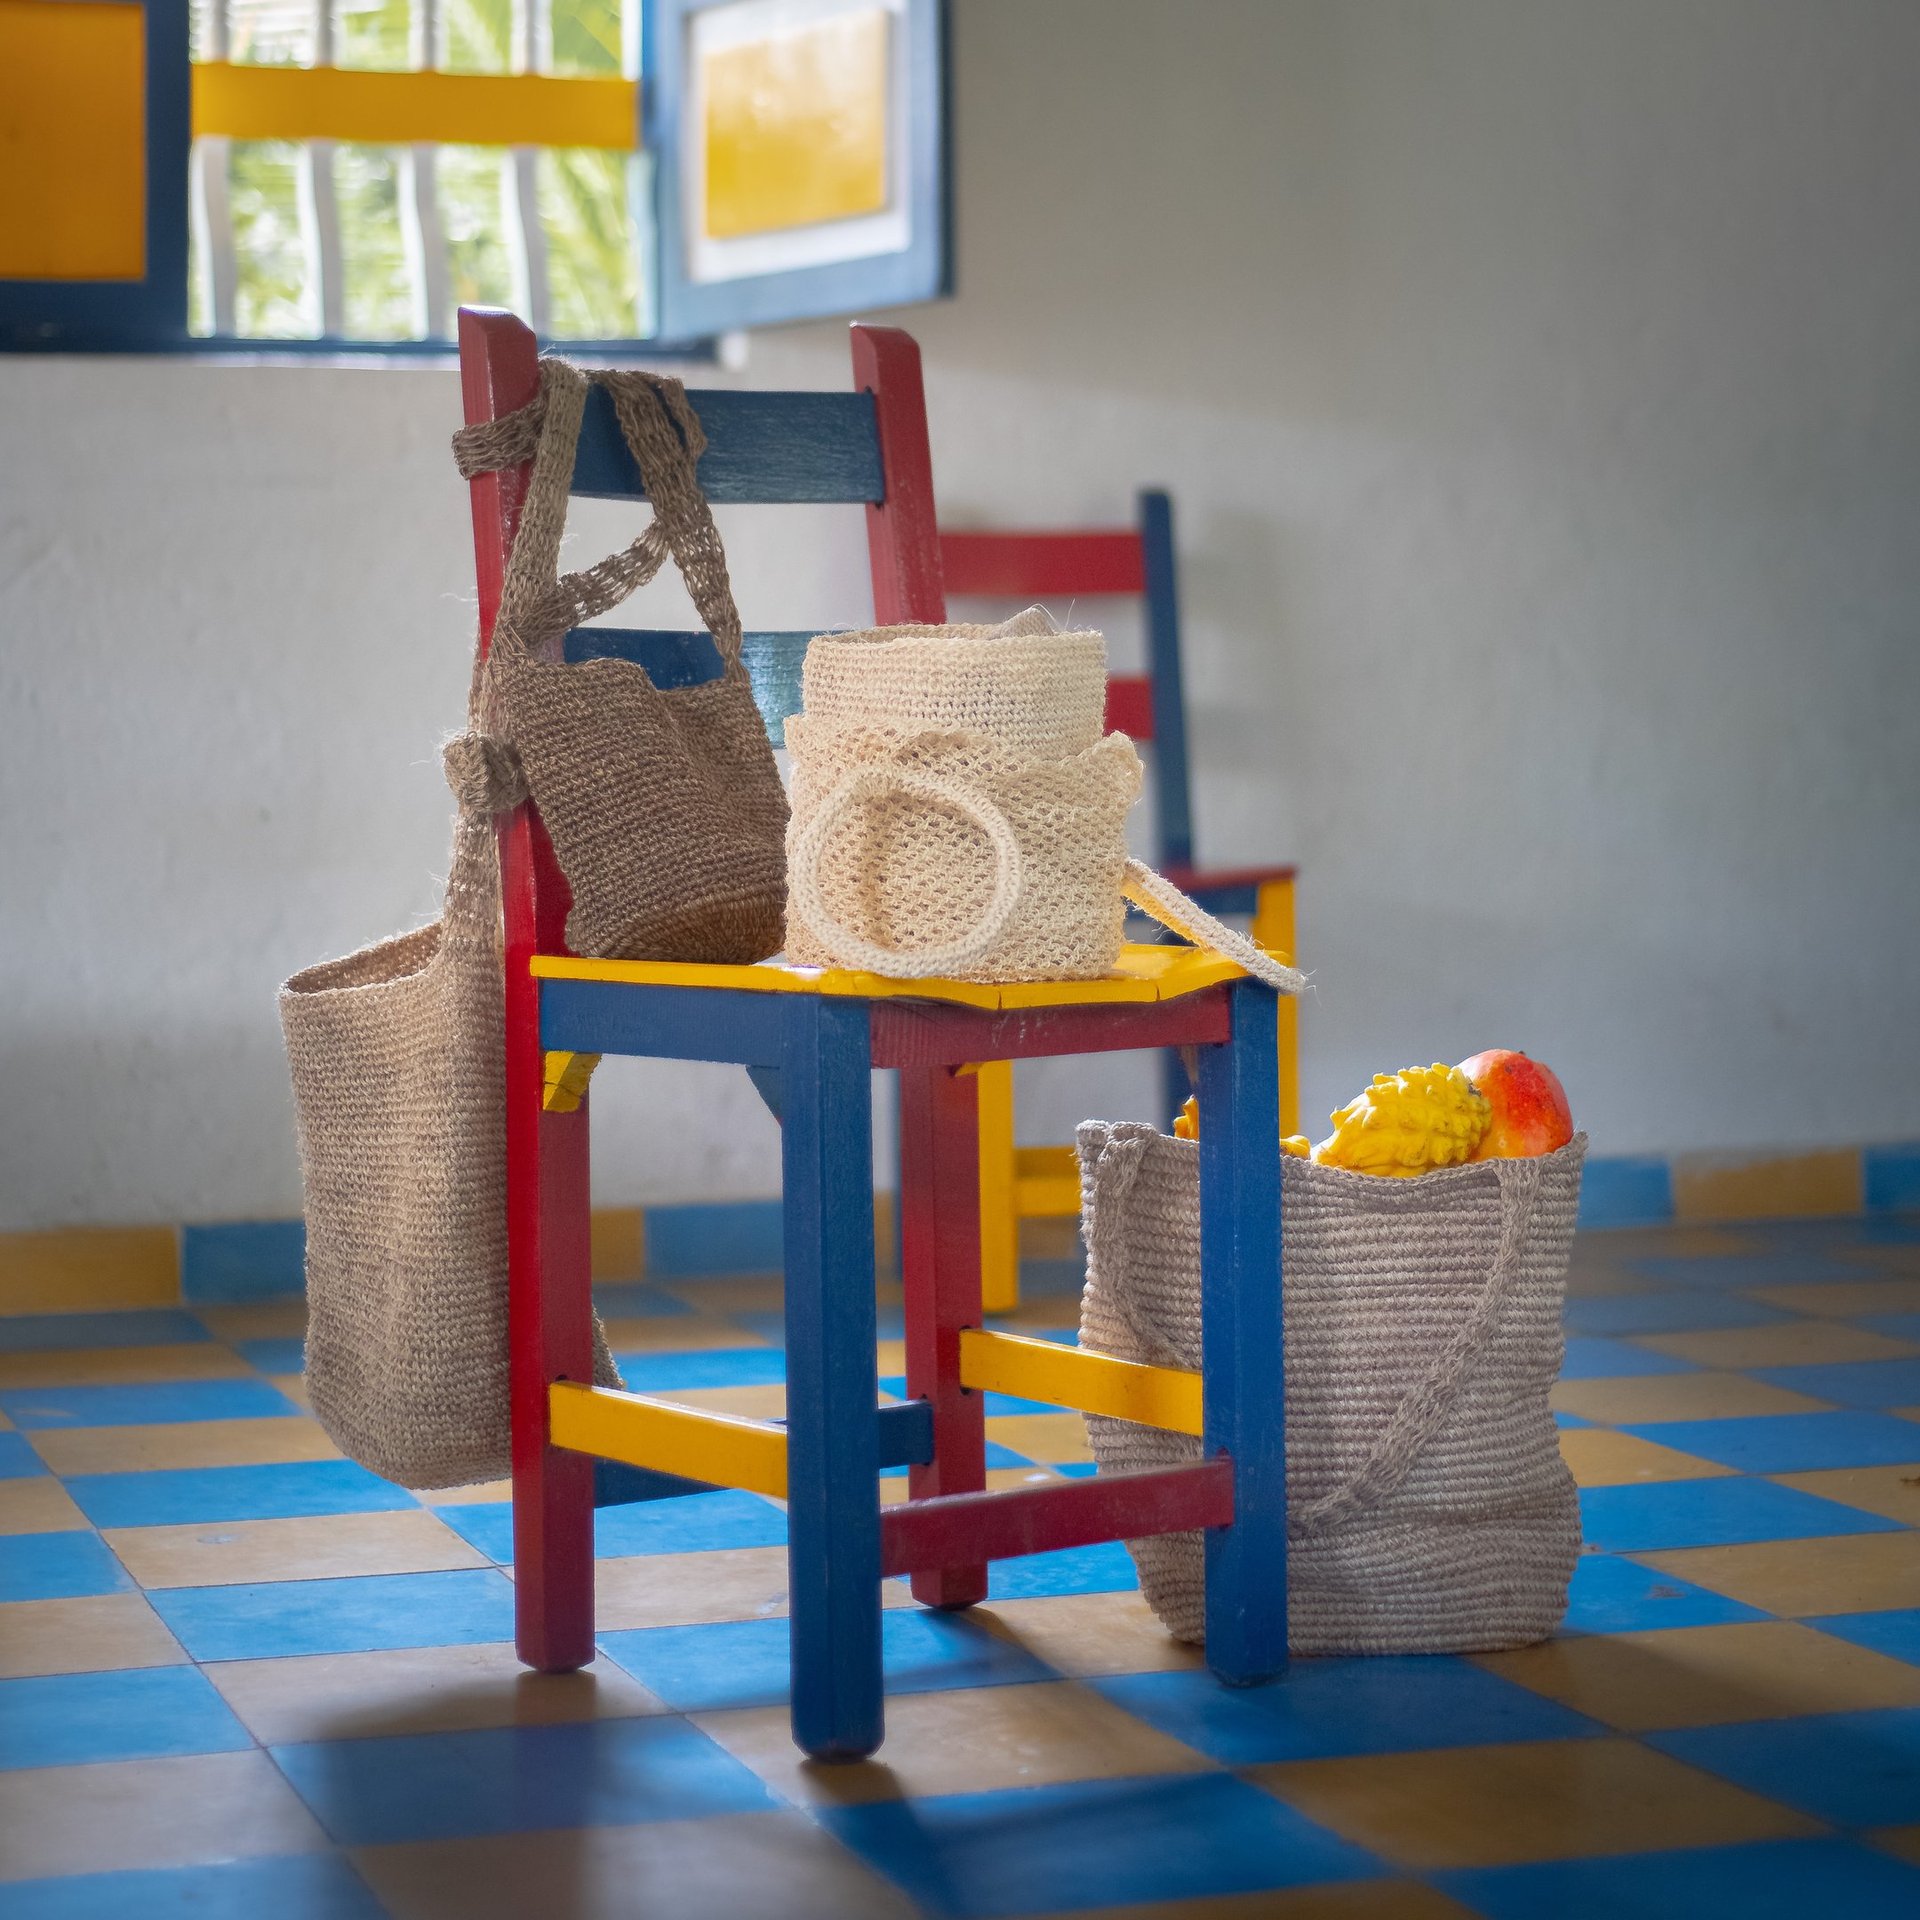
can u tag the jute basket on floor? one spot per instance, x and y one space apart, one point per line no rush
1428 1507
957 810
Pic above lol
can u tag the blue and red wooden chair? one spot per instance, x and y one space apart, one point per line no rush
824 1034
1019 1183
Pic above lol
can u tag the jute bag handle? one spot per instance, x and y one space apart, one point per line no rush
664 435
1419 1415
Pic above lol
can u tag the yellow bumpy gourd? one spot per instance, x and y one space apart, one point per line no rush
1408 1123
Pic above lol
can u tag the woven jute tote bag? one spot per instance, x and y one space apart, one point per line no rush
958 811
1429 1510
664 805
397 1059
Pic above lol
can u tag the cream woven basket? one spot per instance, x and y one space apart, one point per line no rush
958 811
1429 1510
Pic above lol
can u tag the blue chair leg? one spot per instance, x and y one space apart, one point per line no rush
833 1501
1241 1345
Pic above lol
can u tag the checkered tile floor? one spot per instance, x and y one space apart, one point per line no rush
245 1677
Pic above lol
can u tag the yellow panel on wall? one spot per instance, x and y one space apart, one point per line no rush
73 141
796 127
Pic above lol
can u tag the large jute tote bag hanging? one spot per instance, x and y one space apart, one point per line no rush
397 1056
958 811
664 805
1428 1507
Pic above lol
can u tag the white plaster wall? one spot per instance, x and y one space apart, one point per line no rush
1537 384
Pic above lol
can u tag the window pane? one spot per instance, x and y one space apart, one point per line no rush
378 291
478 36
372 33
273 295
473 186
273 32
593 276
587 36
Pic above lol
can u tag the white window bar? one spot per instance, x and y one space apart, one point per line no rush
422 234
209 198
526 235
320 206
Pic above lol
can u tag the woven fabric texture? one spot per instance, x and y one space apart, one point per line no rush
1428 1506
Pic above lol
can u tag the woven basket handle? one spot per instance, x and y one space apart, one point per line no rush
1154 894
1418 1416
852 949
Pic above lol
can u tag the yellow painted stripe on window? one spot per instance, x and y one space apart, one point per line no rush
394 109
643 1432
1073 1377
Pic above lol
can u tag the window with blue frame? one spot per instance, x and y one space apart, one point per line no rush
344 174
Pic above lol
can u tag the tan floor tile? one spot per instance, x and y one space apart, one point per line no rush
98 1633
1905 1413
1666 1243
1544 1800
890 1358
1903 1841
6 1425
1346 1900
1677 1396
257 1320
893 1491
149 1813
725 1294
38 1504
1775 1186
967 1740
618 1243
1850 1573
1049 1237
1058 1437
1599 1457
316 1547
345 1696
294 1386
1595 1282
1043 1313
754 1403
109 1366
1708 1676
683 1589
1846 1299
466 1496
732 1867
183 1443
1893 1258
1892 1492
677 1333
87 1269
1087 1634
1805 1343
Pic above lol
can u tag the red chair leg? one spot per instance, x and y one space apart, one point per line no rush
940 1261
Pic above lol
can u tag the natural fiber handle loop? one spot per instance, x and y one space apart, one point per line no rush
1419 1415
1156 895
854 950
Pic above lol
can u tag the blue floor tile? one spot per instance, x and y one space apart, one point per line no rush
1590 1356
745 1663
1093 1844
711 1367
1611 1595
1689 1310
770 1323
206 1496
1896 1326
1896 1632
594 1773
1748 1270
18 1461
999 1406
361 1614
1107 1568
72 1719
135 1327
1769 1880
1856 1383
1792 1442
1326 1709
1711 1513
274 1356
57 1566
693 1523
1853 1769
303 1886
145 1404
636 1300
1001 1456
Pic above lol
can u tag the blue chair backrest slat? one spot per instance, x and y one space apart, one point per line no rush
773 448
680 659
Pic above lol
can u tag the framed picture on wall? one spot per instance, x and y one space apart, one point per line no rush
804 158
